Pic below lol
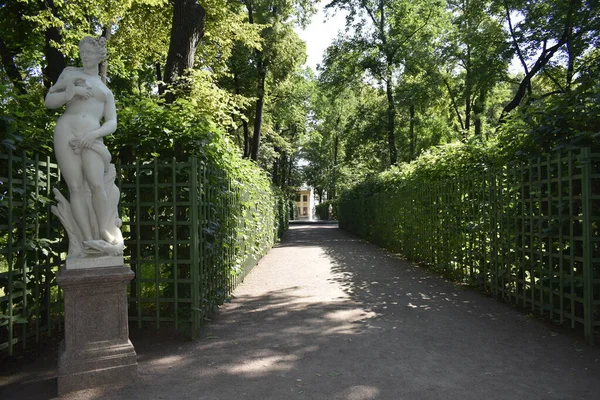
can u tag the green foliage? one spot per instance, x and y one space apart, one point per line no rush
243 214
30 248
228 202
438 163
322 210
18 111
498 228
563 121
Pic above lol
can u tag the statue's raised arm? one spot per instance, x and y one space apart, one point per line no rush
90 216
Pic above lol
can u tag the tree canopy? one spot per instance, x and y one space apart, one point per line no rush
404 76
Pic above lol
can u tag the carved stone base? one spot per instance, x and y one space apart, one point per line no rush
96 349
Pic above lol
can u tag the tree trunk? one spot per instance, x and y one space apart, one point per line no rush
516 44
412 140
12 71
247 141
542 60
389 89
55 60
107 33
391 119
245 127
336 143
468 93
189 19
283 170
478 109
289 171
276 165
159 77
260 98
570 52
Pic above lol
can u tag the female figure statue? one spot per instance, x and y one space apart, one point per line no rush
79 147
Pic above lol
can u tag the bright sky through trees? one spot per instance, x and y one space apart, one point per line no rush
322 30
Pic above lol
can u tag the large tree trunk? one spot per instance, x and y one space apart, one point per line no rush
189 19
55 60
7 56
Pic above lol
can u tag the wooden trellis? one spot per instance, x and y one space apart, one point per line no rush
529 233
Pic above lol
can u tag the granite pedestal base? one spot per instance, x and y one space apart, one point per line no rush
96 350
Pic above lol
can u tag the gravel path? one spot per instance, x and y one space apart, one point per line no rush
328 316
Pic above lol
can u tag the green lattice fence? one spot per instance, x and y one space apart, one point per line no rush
191 234
30 301
528 234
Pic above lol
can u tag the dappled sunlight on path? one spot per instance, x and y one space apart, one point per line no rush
328 316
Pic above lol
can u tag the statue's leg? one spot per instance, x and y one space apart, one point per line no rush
71 169
93 169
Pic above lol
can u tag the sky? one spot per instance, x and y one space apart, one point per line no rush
320 33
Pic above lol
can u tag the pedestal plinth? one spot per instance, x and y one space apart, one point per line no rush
96 349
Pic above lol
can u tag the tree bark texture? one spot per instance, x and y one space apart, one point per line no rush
55 60
247 140
12 71
189 19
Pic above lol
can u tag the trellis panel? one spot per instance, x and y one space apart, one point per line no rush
529 233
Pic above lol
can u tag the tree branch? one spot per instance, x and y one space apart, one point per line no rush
545 56
454 104
516 44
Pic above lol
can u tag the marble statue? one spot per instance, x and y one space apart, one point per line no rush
90 216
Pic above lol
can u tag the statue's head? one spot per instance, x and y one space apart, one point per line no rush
92 49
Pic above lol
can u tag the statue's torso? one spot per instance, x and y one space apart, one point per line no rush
81 114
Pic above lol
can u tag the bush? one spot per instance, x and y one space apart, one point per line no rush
322 209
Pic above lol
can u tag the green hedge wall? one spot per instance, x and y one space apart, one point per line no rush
192 231
527 233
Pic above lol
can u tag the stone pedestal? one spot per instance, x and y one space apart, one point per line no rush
96 349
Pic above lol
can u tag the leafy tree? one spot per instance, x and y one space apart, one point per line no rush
386 31
547 33
324 149
281 51
476 60
288 109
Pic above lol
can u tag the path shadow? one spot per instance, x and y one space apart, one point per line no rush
388 330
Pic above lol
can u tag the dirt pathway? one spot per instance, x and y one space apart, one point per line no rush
328 316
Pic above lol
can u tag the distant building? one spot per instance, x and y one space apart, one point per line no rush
305 203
